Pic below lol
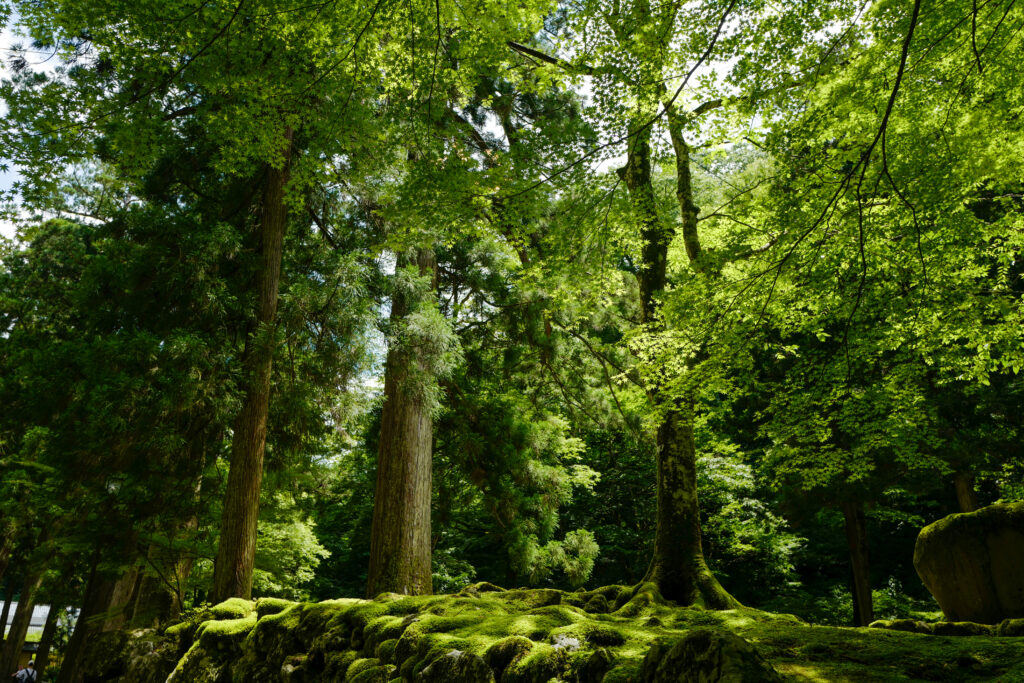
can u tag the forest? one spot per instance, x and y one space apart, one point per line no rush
479 341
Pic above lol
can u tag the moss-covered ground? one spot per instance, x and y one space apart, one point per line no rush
543 635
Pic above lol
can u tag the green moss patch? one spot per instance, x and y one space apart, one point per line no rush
539 635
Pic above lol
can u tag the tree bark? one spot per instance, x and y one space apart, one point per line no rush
8 597
236 549
19 626
678 566
99 591
46 640
966 497
857 543
6 544
119 607
400 534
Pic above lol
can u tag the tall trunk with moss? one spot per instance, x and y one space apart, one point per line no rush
236 549
167 567
678 566
860 579
400 535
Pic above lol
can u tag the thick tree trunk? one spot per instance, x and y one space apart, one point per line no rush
19 626
236 549
160 597
46 640
6 613
119 607
857 543
400 535
966 497
161 591
99 590
678 566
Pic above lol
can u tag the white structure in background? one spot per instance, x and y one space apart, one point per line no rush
39 614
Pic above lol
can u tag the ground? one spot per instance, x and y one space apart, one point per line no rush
485 633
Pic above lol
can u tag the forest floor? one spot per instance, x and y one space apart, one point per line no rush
537 635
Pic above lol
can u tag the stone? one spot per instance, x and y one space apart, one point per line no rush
971 562
961 628
1011 628
707 655
459 666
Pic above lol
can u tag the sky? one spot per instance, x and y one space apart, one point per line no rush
7 39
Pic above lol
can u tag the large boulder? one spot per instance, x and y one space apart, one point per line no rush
973 563
707 655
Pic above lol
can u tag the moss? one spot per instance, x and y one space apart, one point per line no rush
386 651
268 606
381 673
504 652
1011 628
226 634
519 639
233 608
598 604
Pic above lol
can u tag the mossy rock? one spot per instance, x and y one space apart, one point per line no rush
597 605
268 606
1011 628
961 628
971 562
225 636
538 597
542 663
105 658
506 651
380 673
520 642
233 608
707 655
456 666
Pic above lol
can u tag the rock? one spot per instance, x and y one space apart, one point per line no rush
104 658
456 666
708 656
1011 627
596 666
507 651
961 628
971 562
597 605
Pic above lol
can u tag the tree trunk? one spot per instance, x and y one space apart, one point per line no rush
162 588
118 609
46 640
857 543
678 566
6 544
19 626
966 497
400 535
98 593
8 597
236 549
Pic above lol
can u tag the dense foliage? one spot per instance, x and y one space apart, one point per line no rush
613 263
